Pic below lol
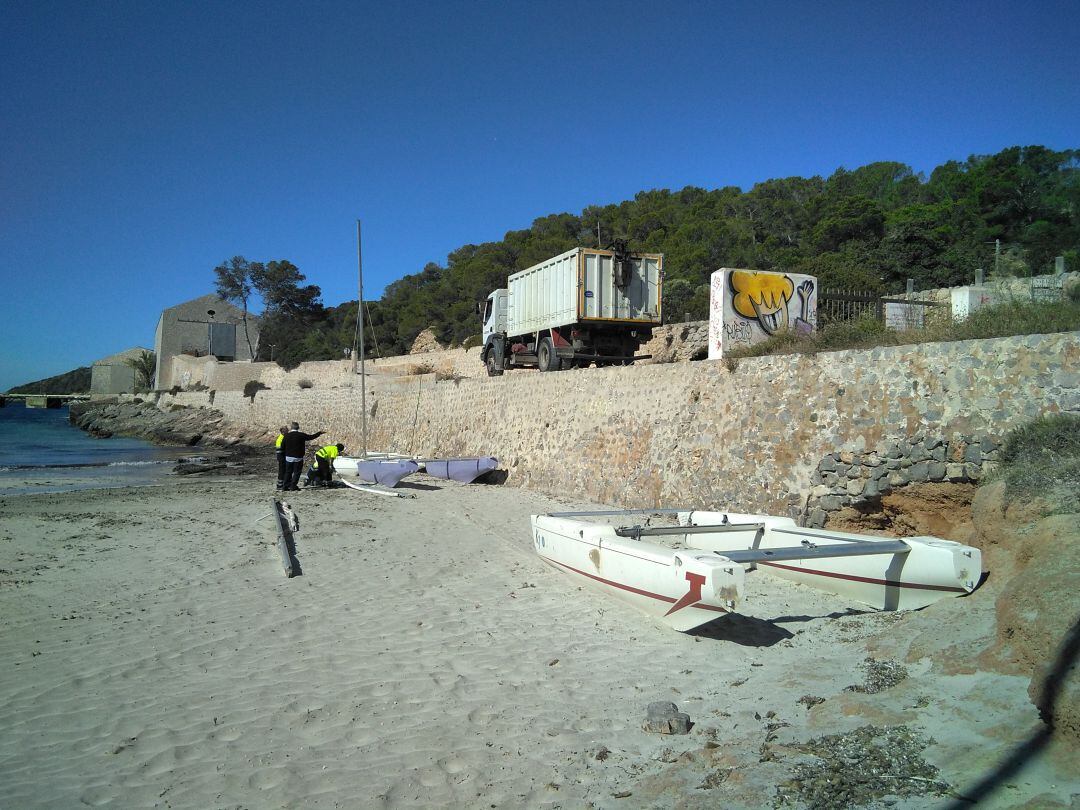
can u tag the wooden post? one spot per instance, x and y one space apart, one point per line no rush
285 544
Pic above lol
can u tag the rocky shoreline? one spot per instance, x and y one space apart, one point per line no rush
231 448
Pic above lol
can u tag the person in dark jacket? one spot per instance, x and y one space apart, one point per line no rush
295 445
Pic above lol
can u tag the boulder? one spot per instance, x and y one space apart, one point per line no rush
677 342
664 717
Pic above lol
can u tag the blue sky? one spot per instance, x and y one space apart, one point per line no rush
142 143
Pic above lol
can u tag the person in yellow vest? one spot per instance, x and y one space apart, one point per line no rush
280 453
324 458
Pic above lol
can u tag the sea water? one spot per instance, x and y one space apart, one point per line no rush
41 451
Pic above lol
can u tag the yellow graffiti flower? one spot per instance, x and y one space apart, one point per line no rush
762 297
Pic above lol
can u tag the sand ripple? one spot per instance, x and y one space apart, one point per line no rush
426 658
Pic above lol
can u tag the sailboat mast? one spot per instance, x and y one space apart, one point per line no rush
360 329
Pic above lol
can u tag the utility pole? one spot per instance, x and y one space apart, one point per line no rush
360 335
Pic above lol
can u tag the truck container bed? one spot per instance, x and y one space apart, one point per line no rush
581 285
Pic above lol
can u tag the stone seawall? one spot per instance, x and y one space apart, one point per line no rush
695 434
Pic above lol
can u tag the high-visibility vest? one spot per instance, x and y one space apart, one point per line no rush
328 452
280 439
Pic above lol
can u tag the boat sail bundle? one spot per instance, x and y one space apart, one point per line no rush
390 470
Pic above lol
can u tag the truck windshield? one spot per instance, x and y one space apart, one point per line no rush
487 311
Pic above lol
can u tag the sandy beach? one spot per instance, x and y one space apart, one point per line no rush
156 656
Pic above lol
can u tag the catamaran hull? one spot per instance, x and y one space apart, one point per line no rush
683 589
465 470
929 570
387 472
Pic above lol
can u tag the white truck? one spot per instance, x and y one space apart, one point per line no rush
581 307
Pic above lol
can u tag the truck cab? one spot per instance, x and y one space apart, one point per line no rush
494 313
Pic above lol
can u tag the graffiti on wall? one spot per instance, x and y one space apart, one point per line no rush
747 307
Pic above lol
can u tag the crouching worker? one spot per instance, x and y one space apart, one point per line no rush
324 458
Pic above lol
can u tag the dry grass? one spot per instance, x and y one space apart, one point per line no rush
1001 320
445 370
1042 459
417 369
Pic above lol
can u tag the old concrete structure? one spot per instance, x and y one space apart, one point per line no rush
748 307
113 374
204 326
752 436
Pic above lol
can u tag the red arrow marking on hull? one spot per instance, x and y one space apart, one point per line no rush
692 596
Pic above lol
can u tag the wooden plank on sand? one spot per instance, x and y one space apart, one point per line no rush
286 523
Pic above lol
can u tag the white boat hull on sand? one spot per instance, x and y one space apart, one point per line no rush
932 569
700 576
684 589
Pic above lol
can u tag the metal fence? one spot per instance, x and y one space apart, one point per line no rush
838 305
911 310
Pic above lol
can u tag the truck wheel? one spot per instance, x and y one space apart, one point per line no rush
494 367
546 357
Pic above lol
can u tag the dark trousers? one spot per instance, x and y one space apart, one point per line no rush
325 470
292 474
280 469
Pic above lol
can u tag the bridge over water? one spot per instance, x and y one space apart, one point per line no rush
43 400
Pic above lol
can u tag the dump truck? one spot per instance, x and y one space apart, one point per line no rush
581 307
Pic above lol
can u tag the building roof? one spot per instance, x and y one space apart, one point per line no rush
121 358
223 310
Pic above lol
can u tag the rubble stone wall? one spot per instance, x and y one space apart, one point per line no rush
787 434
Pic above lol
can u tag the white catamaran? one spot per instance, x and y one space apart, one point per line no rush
689 574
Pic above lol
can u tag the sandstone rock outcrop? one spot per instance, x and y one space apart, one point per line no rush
426 342
678 343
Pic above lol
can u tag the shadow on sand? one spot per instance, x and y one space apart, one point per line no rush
493 477
415 485
750 631
1029 748
739 628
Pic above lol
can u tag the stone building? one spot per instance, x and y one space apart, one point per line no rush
203 326
114 374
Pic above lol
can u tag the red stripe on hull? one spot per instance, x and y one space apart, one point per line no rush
612 583
870 580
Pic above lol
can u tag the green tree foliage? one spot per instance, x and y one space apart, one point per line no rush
280 285
294 324
870 228
294 320
145 366
235 283
858 218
